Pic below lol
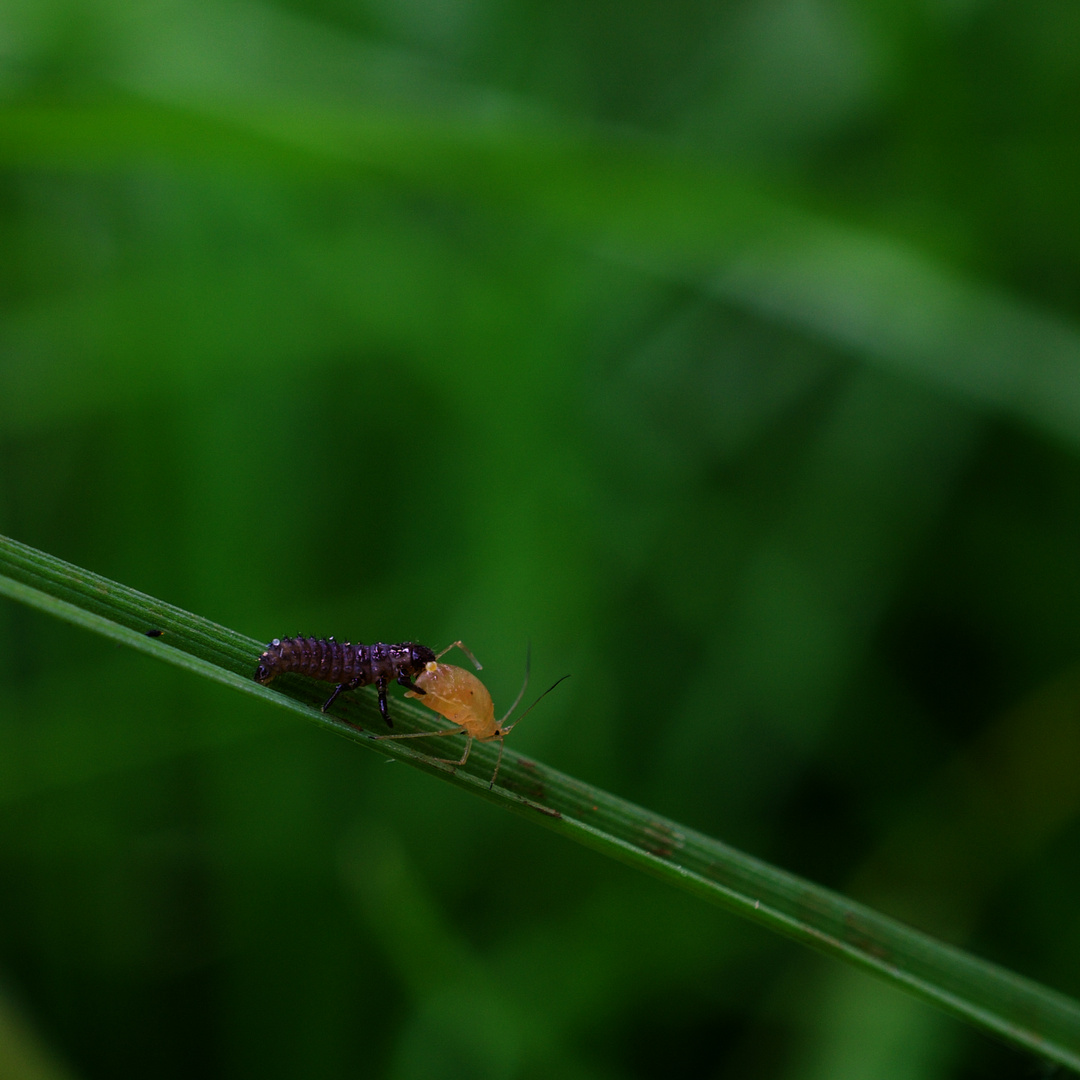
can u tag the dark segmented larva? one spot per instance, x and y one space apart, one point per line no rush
346 664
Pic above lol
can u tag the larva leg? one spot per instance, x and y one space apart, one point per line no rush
352 684
406 681
380 685
333 697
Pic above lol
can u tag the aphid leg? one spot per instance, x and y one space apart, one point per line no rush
464 757
430 735
498 762
457 763
460 645
421 735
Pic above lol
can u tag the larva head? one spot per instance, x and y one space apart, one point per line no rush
419 657
268 662
458 695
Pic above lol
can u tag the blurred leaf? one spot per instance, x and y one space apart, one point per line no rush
23 1054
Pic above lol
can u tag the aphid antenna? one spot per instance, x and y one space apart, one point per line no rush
506 730
460 645
524 687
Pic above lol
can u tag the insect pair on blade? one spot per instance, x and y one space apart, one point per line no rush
451 691
463 699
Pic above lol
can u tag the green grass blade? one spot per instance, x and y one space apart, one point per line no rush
1013 1008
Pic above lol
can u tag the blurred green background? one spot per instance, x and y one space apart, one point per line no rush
727 352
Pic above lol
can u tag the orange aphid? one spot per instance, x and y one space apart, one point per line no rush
460 696
464 700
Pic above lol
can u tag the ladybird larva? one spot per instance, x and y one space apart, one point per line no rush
348 665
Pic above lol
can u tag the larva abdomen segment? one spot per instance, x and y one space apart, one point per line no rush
321 658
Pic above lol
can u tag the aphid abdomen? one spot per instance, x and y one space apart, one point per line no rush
458 695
